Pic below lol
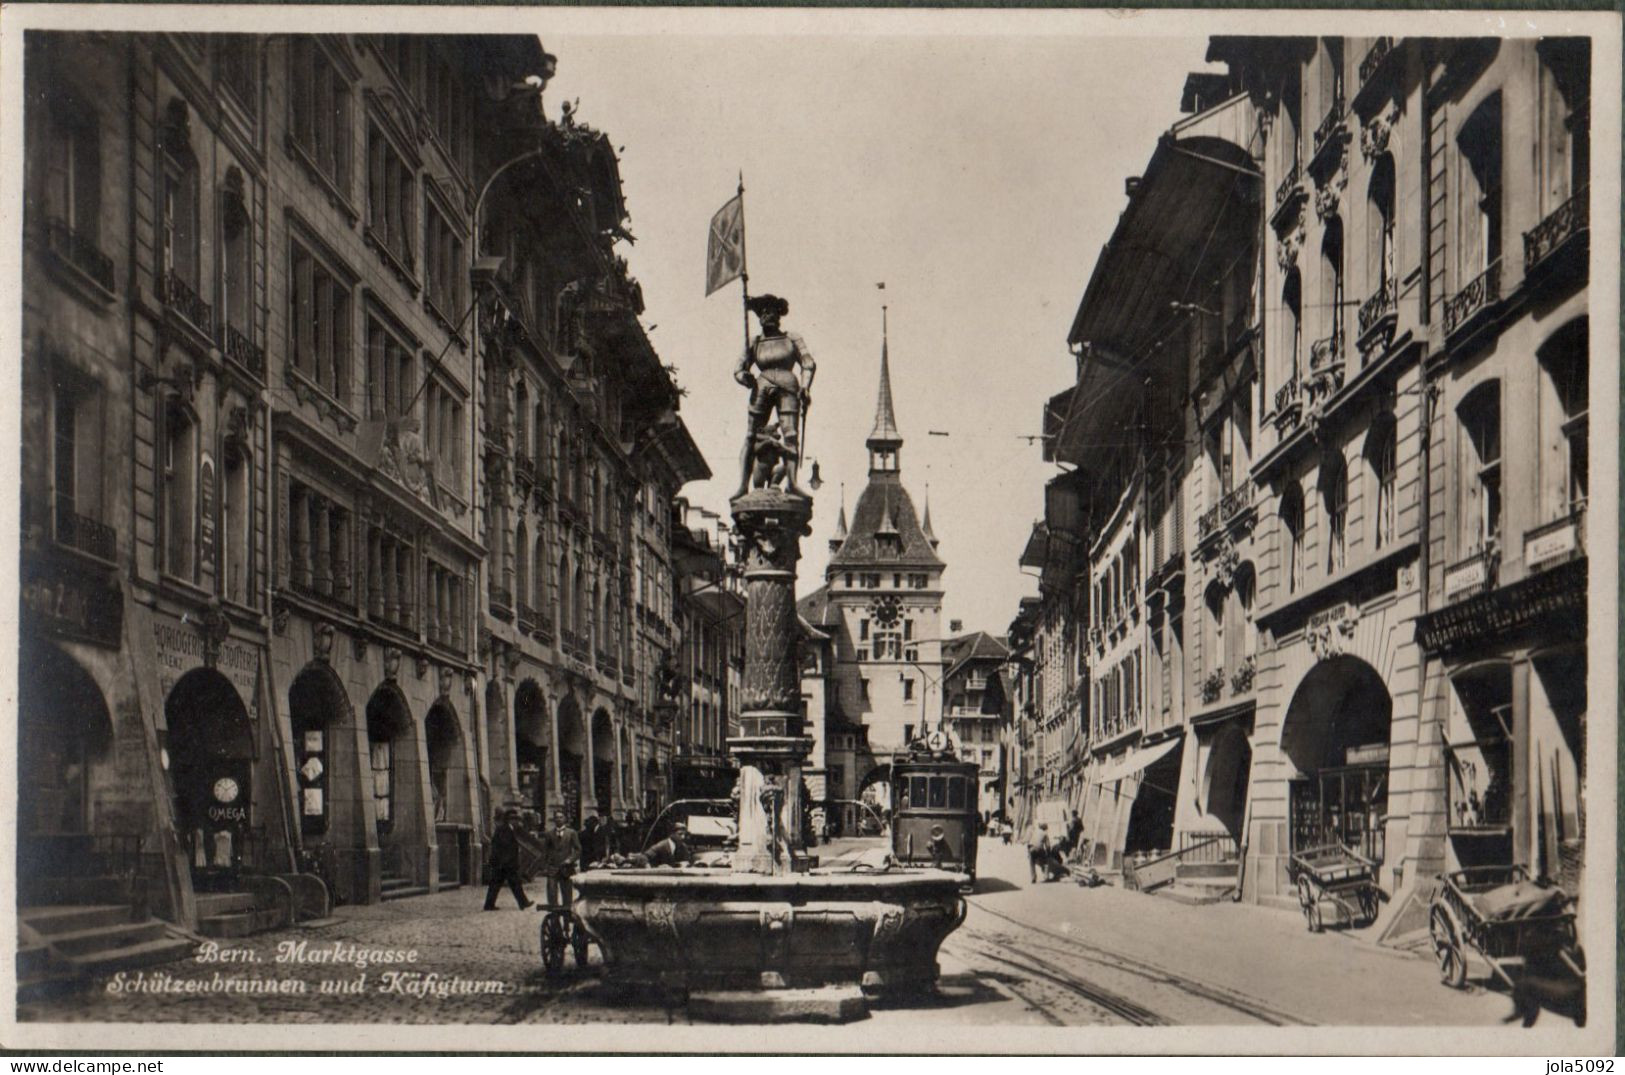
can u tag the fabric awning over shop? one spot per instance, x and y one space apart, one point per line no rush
1134 761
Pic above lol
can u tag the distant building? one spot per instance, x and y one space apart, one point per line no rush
977 707
881 610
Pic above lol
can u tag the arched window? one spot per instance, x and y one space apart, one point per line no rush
1328 351
1479 448
521 556
538 563
1334 491
521 419
1213 601
1565 119
180 492
1478 192
564 598
1565 439
1381 443
178 210
1380 230
1242 633
578 611
1292 525
1292 324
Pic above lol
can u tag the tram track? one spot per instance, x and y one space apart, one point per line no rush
1050 942
1093 993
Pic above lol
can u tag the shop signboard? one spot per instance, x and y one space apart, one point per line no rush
179 648
205 513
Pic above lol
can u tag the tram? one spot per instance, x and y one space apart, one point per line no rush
934 806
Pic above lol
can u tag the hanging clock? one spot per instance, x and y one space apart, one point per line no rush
885 611
225 790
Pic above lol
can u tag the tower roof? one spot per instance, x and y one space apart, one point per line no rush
840 522
925 523
885 510
884 434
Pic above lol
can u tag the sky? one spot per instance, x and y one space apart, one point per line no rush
976 175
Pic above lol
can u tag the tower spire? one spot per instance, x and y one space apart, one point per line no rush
884 439
840 524
925 523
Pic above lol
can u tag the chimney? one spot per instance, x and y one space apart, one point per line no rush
955 626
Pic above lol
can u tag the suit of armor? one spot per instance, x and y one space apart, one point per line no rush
776 389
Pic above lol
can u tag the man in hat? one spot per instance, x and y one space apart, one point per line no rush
779 390
504 862
561 854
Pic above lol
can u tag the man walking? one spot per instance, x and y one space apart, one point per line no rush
504 862
561 853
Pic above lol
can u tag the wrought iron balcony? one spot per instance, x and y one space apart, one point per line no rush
179 296
1562 224
1483 291
243 351
1329 123
1378 315
1289 401
78 250
1293 177
86 535
1378 52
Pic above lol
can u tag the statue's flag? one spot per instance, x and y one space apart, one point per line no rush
725 252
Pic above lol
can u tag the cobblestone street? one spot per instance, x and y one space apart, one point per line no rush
1047 955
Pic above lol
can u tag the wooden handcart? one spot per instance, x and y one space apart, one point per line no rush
1514 925
562 930
1334 875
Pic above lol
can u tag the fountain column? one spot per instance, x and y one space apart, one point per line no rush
771 747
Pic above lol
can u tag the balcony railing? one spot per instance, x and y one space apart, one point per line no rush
501 602
79 251
1377 315
1329 124
527 617
1562 224
179 296
1288 402
1380 50
243 351
86 535
524 470
1480 293
1289 184
1325 366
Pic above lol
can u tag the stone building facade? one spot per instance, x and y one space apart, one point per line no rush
1360 607
341 435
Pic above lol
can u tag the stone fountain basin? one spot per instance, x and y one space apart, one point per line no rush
685 930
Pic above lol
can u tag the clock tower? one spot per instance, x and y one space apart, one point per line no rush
883 606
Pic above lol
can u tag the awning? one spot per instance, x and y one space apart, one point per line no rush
1134 761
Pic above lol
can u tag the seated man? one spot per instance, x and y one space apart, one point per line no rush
673 850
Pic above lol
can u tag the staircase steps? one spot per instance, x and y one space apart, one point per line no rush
1189 871
60 946
1197 895
399 888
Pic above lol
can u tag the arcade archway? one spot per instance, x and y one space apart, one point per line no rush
448 766
572 748
604 772
392 765
530 745
211 773
318 707
1224 780
64 739
1336 737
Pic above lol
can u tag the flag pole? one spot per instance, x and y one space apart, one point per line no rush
744 265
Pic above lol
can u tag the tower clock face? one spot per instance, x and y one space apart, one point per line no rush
885 611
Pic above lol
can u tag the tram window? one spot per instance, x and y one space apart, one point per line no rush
916 791
939 791
956 793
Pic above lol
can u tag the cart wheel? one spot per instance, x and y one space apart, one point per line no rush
553 944
1310 905
1368 904
578 942
1452 963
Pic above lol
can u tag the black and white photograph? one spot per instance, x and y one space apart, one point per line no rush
679 529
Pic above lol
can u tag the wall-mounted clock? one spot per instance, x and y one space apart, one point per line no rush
885 611
226 790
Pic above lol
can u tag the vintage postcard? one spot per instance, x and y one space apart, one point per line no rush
811 530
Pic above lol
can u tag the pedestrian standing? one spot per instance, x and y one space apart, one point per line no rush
592 840
1074 835
1039 852
504 862
561 854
